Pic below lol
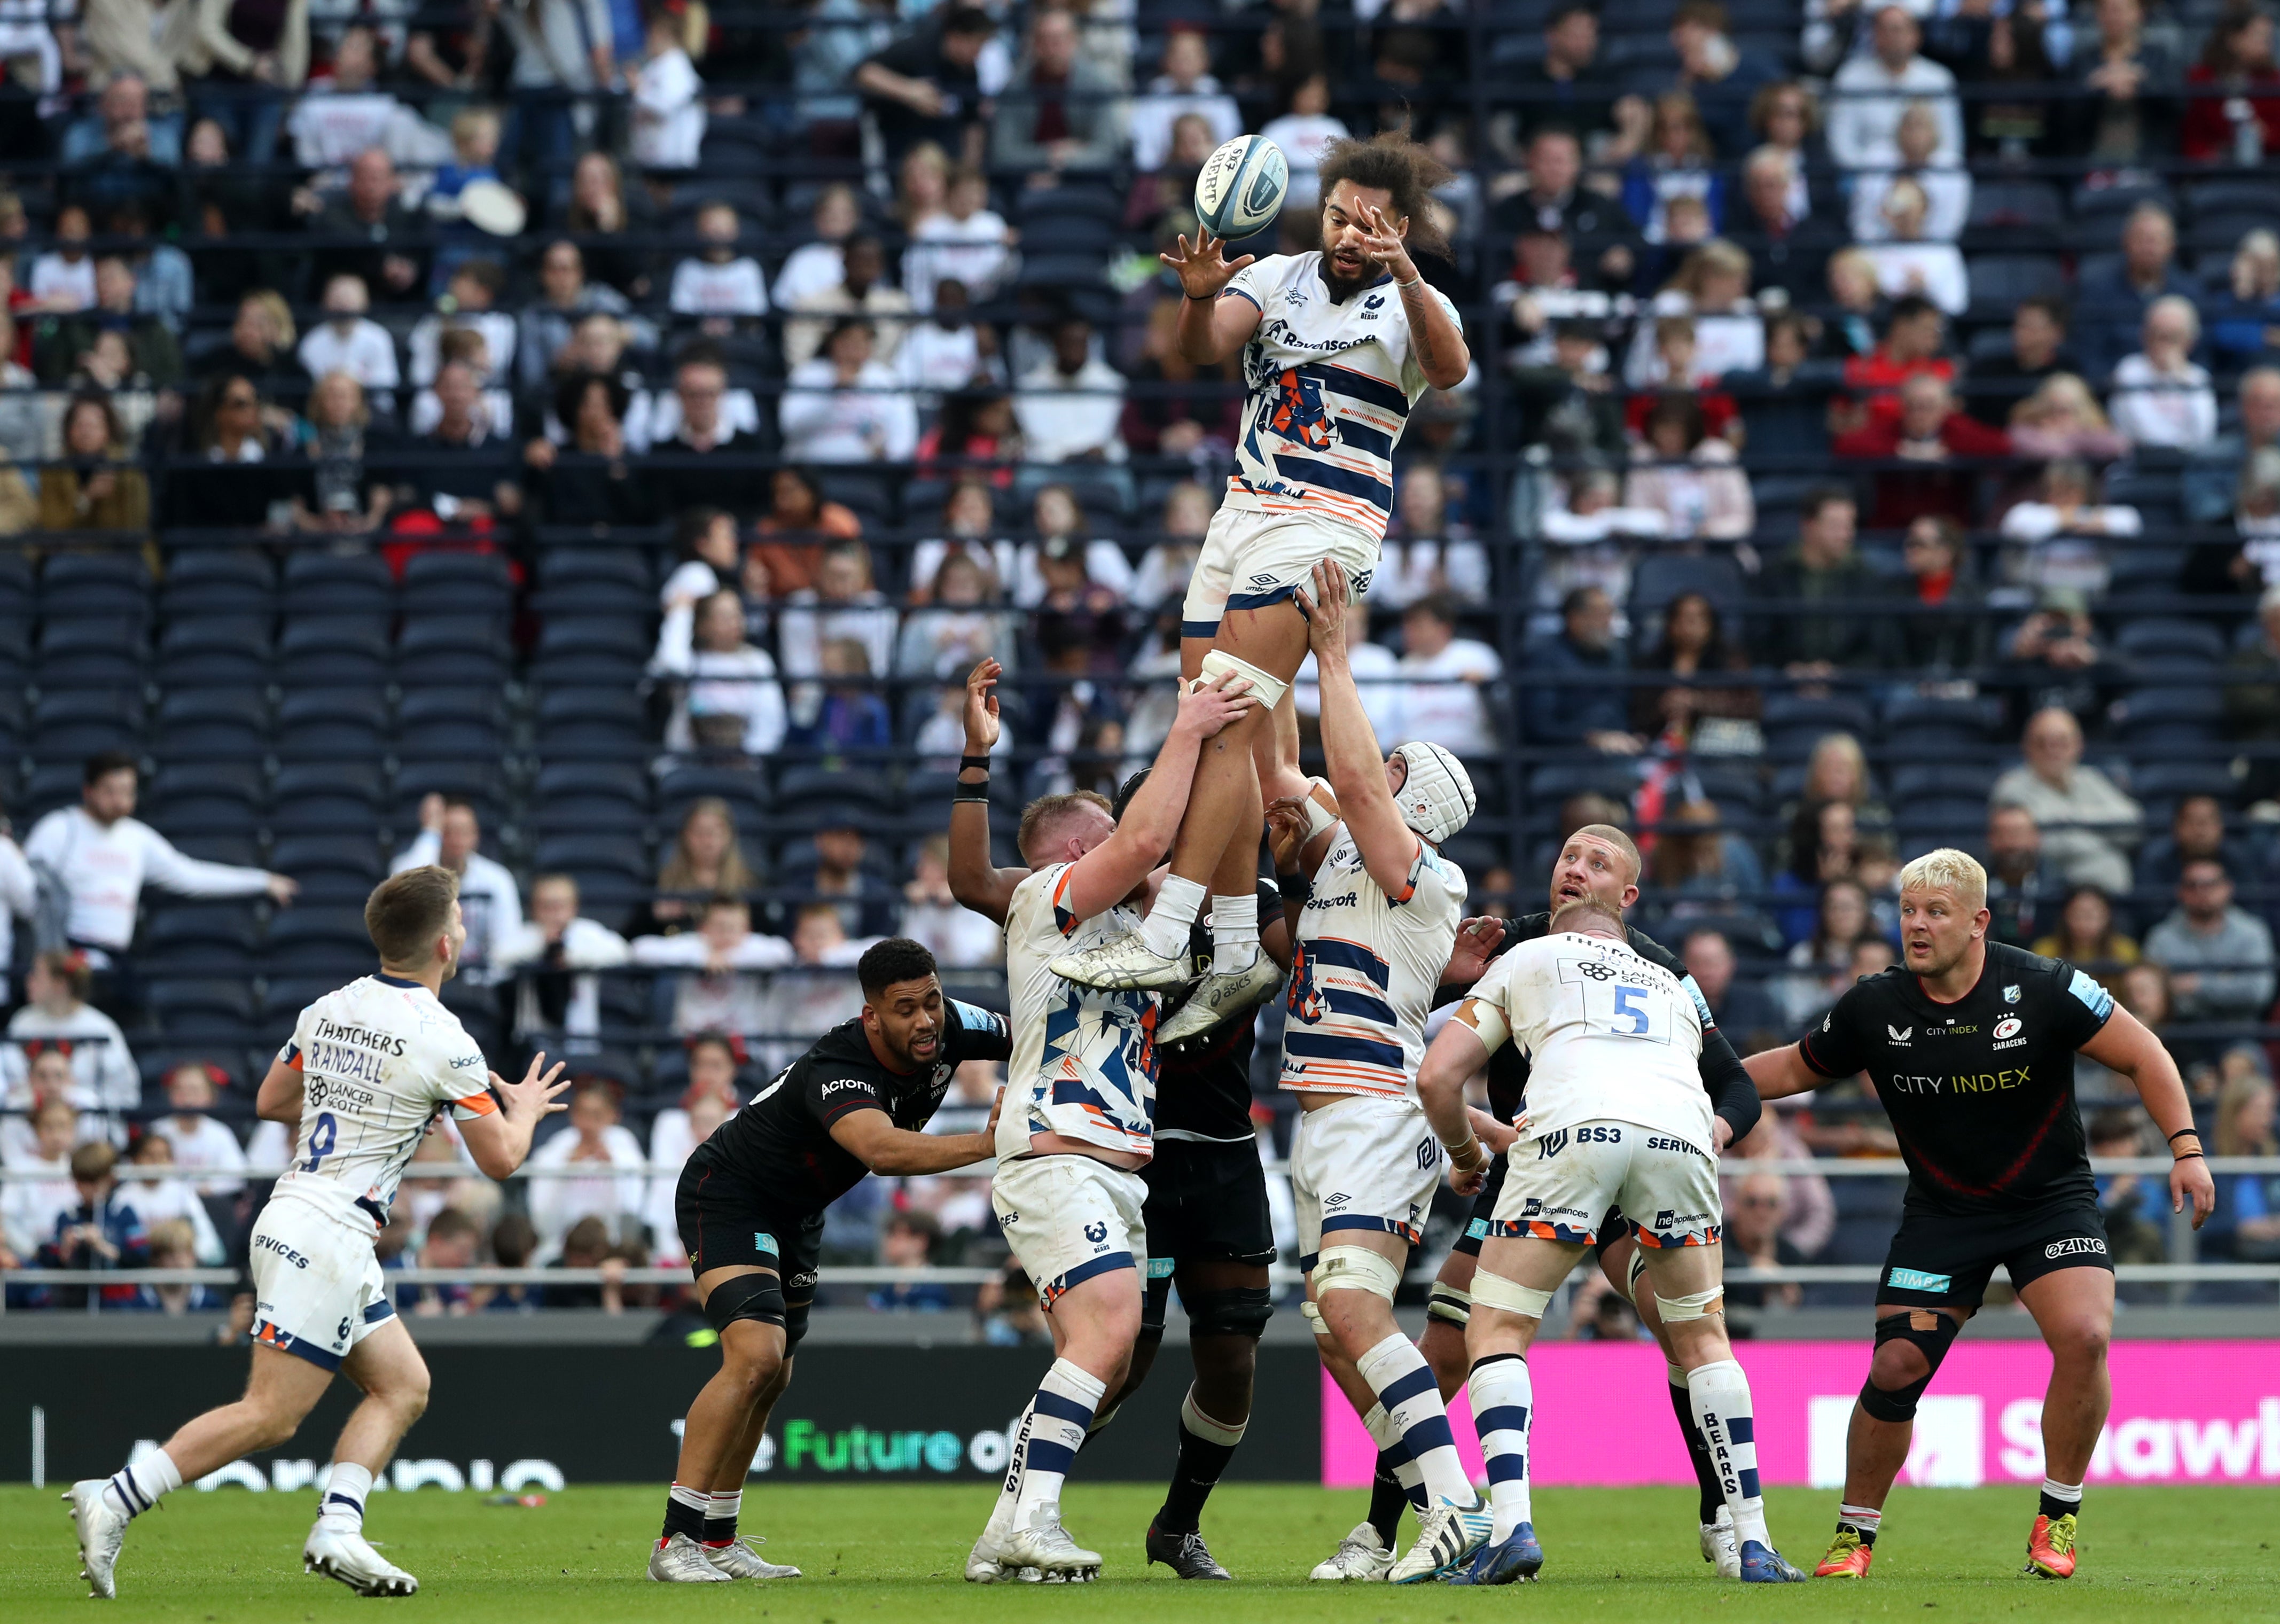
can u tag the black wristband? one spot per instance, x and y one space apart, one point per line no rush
2191 1156
1295 888
964 791
1201 298
2182 1132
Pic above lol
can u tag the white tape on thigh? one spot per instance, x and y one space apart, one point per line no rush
1312 1316
1693 1306
1495 1291
1356 1268
1267 688
1320 816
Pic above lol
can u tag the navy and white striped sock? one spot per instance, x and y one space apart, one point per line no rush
1722 1411
1061 1412
347 1486
1403 1383
1503 1397
136 1488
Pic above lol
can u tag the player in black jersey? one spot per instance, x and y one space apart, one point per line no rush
750 1205
1597 861
1205 1213
1970 1046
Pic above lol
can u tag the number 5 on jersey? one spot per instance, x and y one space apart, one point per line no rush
1615 1007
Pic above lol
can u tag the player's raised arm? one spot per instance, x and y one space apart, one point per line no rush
1211 328
2124 1045
499 1139
973 881
1107 873
1389 847
1434 338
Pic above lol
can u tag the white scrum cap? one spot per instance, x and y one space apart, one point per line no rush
1437 798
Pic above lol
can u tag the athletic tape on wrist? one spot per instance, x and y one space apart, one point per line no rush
1496 1291
1267 688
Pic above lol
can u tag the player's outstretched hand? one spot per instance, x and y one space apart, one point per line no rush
1202 270
982 723
2189 1180
534 1096
1206 707
1382 243
1326 610
1477 941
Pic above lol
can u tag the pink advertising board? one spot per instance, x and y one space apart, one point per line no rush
2183 1413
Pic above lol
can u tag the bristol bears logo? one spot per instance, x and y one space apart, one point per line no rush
1296 412
1097 1234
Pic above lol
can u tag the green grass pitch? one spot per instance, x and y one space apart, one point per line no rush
883 1555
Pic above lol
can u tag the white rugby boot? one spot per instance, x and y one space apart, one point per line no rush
1043 1544
342 1554
101 1530
1720 1547
682 1560
739 1559
1446 1536
1127 964
984 1564
1221 996
1358 1559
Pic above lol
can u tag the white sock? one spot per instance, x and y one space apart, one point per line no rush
1235 932
2071 1493
136 1489
1504 1398
1403 1382
347 1487
1063 1408
1387 1436
1178 903
1017 1450
1721 1395
1867 1519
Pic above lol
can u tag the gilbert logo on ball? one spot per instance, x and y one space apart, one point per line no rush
1240 188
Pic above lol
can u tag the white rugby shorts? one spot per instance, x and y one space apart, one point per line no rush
319 1287
1557 1186
1068 1218
1364 1162
1251 560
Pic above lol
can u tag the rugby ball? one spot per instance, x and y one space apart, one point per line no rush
1241 187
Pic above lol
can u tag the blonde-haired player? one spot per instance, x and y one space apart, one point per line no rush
1616 1117
367 1071
1971 1045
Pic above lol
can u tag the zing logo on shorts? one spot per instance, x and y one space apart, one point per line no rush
1916 1280
2074 1245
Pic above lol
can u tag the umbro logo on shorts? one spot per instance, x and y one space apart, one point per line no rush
1336 1200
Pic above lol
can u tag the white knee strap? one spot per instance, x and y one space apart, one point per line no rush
1356 1268
1267 688
1693 1306
1312 1316
1495 1291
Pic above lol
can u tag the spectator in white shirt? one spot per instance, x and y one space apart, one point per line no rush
727 697
345 114
595 1137
1057 514
1442 675
471 302
1376 673
965 239
2161 397
843 406
711 557
2063 531
720 991
718 283
862 290
29 1207
961 621
347 341
1185 85
957 936
1304 132
1166 567
1071 407
668 98
63 279
820 265
103 856
18 894
1594 540
1947 191
554 956
451 836
1871 94
843 603
713 1058
57 1019
201 1144
943 354
803 1004
1429 558
1907 263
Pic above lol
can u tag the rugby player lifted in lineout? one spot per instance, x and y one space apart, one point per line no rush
1971 1044
1338 345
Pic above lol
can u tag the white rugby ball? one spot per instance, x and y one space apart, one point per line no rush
1241 187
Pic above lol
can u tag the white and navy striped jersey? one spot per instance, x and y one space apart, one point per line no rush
377 1059
1331 386
1085 1058
1609 1033
1365 972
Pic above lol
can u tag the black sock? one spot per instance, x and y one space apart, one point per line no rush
1387 1499
1201 1461
719 1531
681 1518
1698 1449
2054 1508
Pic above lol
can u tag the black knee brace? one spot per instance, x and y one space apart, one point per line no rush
1234 1311
1155 1302
747 1297
796 1311
1934 1339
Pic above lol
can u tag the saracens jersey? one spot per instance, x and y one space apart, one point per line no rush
1331 386
1980 1091
1364 973
1611 1036
779 1145
378 1059
1085 1058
